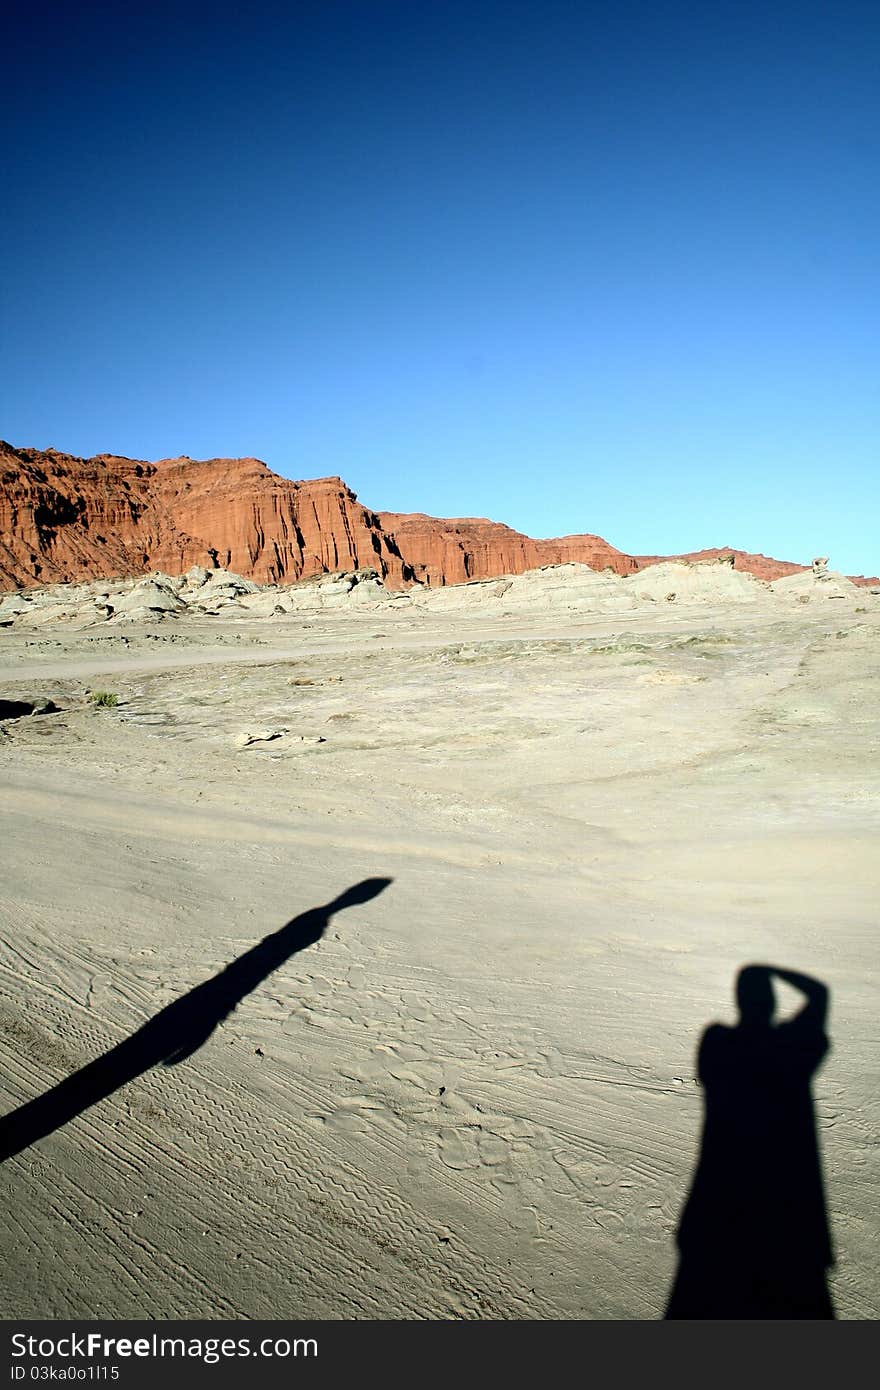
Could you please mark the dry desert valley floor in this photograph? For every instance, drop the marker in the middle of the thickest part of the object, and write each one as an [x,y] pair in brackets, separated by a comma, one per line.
[473,1093]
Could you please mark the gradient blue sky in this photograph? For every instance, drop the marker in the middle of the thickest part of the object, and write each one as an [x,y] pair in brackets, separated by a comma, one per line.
[576,267]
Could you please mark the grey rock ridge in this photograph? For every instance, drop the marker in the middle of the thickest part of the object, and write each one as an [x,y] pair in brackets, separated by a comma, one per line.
[203,593]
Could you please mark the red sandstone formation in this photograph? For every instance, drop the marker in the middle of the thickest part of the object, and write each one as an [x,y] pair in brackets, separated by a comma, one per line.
[456,550]
[65,519]
[762,566]
[759,565]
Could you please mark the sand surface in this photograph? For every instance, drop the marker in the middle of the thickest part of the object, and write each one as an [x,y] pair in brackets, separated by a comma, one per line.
[474,1096]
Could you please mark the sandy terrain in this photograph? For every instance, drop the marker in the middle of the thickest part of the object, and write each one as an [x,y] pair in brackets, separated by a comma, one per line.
[473,1093]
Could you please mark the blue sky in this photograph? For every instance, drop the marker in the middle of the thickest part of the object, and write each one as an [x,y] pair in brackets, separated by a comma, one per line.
[576,267]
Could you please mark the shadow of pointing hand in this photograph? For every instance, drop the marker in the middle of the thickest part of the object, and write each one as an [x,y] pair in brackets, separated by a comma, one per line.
[362,892]
[192,1019]
[179,1029]
[754,1238]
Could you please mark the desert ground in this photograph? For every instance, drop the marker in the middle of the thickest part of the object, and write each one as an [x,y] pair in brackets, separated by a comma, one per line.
[469,1092]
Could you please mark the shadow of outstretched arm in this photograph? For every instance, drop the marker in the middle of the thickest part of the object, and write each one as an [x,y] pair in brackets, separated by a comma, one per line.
[815,1011]
[178,1030]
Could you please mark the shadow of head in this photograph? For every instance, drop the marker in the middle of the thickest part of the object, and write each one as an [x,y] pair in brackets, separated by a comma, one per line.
[755,997]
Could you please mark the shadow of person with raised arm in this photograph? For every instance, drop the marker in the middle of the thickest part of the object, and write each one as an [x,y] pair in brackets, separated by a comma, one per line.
[178,1030]
[753,1238]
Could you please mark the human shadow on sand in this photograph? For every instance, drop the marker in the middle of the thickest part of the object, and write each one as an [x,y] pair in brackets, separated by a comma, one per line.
[178,1030]
[754,1238]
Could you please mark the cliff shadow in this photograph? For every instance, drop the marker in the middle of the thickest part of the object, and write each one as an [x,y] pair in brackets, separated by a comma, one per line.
[754,1238]
[178,1030]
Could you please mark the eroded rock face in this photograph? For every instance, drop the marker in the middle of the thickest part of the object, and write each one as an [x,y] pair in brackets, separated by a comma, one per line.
[454,551]
[65,519]
[761,566]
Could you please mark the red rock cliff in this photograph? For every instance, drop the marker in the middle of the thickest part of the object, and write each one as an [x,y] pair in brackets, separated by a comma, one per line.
[65,519]
[454,551]
[759,565]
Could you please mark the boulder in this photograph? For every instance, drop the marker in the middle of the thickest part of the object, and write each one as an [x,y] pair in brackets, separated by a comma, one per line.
[26,705]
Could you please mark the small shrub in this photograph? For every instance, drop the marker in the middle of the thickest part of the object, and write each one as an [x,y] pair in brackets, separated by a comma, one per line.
[104,699]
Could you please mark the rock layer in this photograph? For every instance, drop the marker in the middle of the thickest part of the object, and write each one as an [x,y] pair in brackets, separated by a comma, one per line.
[460,549]
[65,519]
[761,566]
